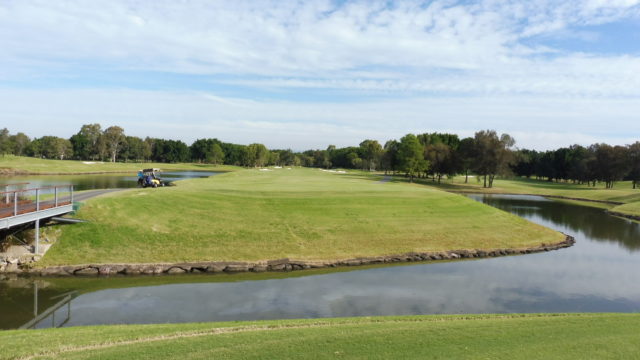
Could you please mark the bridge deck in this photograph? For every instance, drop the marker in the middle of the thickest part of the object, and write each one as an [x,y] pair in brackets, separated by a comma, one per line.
[25,206]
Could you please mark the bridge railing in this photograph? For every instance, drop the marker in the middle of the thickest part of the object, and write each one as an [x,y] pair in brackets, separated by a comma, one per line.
[23,201]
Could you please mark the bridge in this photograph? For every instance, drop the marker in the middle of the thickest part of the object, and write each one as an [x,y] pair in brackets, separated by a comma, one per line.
[26,206]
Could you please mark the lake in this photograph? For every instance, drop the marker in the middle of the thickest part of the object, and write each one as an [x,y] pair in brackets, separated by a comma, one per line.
[98,181]
[598,274]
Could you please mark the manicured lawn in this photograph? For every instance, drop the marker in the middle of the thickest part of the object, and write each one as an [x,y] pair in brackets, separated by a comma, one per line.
[10,163]
[630,208]
[535,336]
[622,191]
[305,214]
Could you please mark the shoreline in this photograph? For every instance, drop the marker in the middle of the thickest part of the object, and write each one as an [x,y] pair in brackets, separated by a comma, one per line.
[541,195]
[560,197]
[28,173]
[278,265]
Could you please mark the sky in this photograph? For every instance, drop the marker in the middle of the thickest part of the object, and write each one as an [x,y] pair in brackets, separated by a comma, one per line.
[306,74]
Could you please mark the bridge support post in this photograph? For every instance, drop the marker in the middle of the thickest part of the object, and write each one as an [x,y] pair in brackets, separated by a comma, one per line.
[36,244]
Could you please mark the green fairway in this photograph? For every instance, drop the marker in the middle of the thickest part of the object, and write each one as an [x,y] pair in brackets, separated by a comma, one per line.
[622,191]
[10,164]
[305,214]
[535,336]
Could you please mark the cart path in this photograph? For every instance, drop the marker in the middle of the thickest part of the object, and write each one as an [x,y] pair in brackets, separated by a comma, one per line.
[86,195]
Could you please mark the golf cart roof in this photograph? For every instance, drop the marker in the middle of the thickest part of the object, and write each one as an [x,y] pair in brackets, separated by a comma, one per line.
[151,170]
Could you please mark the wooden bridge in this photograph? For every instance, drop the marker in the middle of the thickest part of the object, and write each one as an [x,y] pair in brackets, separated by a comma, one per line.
[25,206]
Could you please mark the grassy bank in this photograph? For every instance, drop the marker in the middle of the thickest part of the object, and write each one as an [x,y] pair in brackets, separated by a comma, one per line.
[622,191]
[304,214]
[536,336]
[10,164]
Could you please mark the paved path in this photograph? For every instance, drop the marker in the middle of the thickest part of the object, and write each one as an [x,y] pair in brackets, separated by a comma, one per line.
[86,195]
[385,179]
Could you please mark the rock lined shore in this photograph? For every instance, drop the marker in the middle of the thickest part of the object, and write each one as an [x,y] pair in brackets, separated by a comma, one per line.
[271,265]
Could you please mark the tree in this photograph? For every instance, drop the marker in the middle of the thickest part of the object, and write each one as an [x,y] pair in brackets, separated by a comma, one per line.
[216,154]
[53,147]
[19,143]
[114,140]
[371,152]
[134,149]
[4,142]
[466,156]
[440,157]
[390,156]
[493,155]
[633,151]
[256,155]
[86,143]
[410,156]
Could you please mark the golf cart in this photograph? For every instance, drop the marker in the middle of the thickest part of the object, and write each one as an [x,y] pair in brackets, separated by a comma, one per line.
[149,178]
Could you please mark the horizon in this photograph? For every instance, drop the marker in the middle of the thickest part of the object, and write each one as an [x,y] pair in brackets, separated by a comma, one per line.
[305,76]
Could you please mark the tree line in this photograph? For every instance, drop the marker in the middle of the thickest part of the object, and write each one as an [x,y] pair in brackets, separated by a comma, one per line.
[582,165]
[430,155]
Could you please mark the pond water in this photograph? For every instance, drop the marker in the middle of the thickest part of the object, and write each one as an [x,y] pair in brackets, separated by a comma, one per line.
[98,181]
[598,274]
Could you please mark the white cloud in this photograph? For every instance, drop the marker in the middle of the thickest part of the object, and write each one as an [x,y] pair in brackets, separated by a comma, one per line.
[540,123]
[406,46]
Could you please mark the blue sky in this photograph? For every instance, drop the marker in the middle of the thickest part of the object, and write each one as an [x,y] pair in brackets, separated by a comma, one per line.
[309,74]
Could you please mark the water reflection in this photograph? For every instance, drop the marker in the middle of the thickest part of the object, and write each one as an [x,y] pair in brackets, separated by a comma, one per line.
[100,181]
[598,274]
[592,222]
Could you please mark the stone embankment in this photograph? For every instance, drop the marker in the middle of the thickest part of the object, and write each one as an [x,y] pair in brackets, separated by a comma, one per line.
[262,266]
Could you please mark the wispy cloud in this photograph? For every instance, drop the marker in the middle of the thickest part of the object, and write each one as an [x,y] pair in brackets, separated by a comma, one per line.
[407,45]
[432,65]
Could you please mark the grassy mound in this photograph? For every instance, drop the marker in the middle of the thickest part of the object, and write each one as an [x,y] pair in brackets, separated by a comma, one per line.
[307,214]
[536,336]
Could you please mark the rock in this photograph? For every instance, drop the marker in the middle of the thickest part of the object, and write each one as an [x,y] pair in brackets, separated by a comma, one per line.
[277,267]
[260,268]
[316,265]
[89,271]
[105,270]
[176,270]
[454,256]
[12,260]
[133,269]
[278,262]
[11,268]
[53,271]
[236,268]
[216,267]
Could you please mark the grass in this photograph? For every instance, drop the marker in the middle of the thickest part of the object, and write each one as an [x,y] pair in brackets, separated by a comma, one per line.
[534,336]
[306,214]
[11,164]
[622,191]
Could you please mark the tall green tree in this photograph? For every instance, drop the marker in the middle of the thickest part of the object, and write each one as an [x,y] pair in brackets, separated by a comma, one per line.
[493,155]
[114,140]
[216,154]
[410,156]
[371,151]
[634,163]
